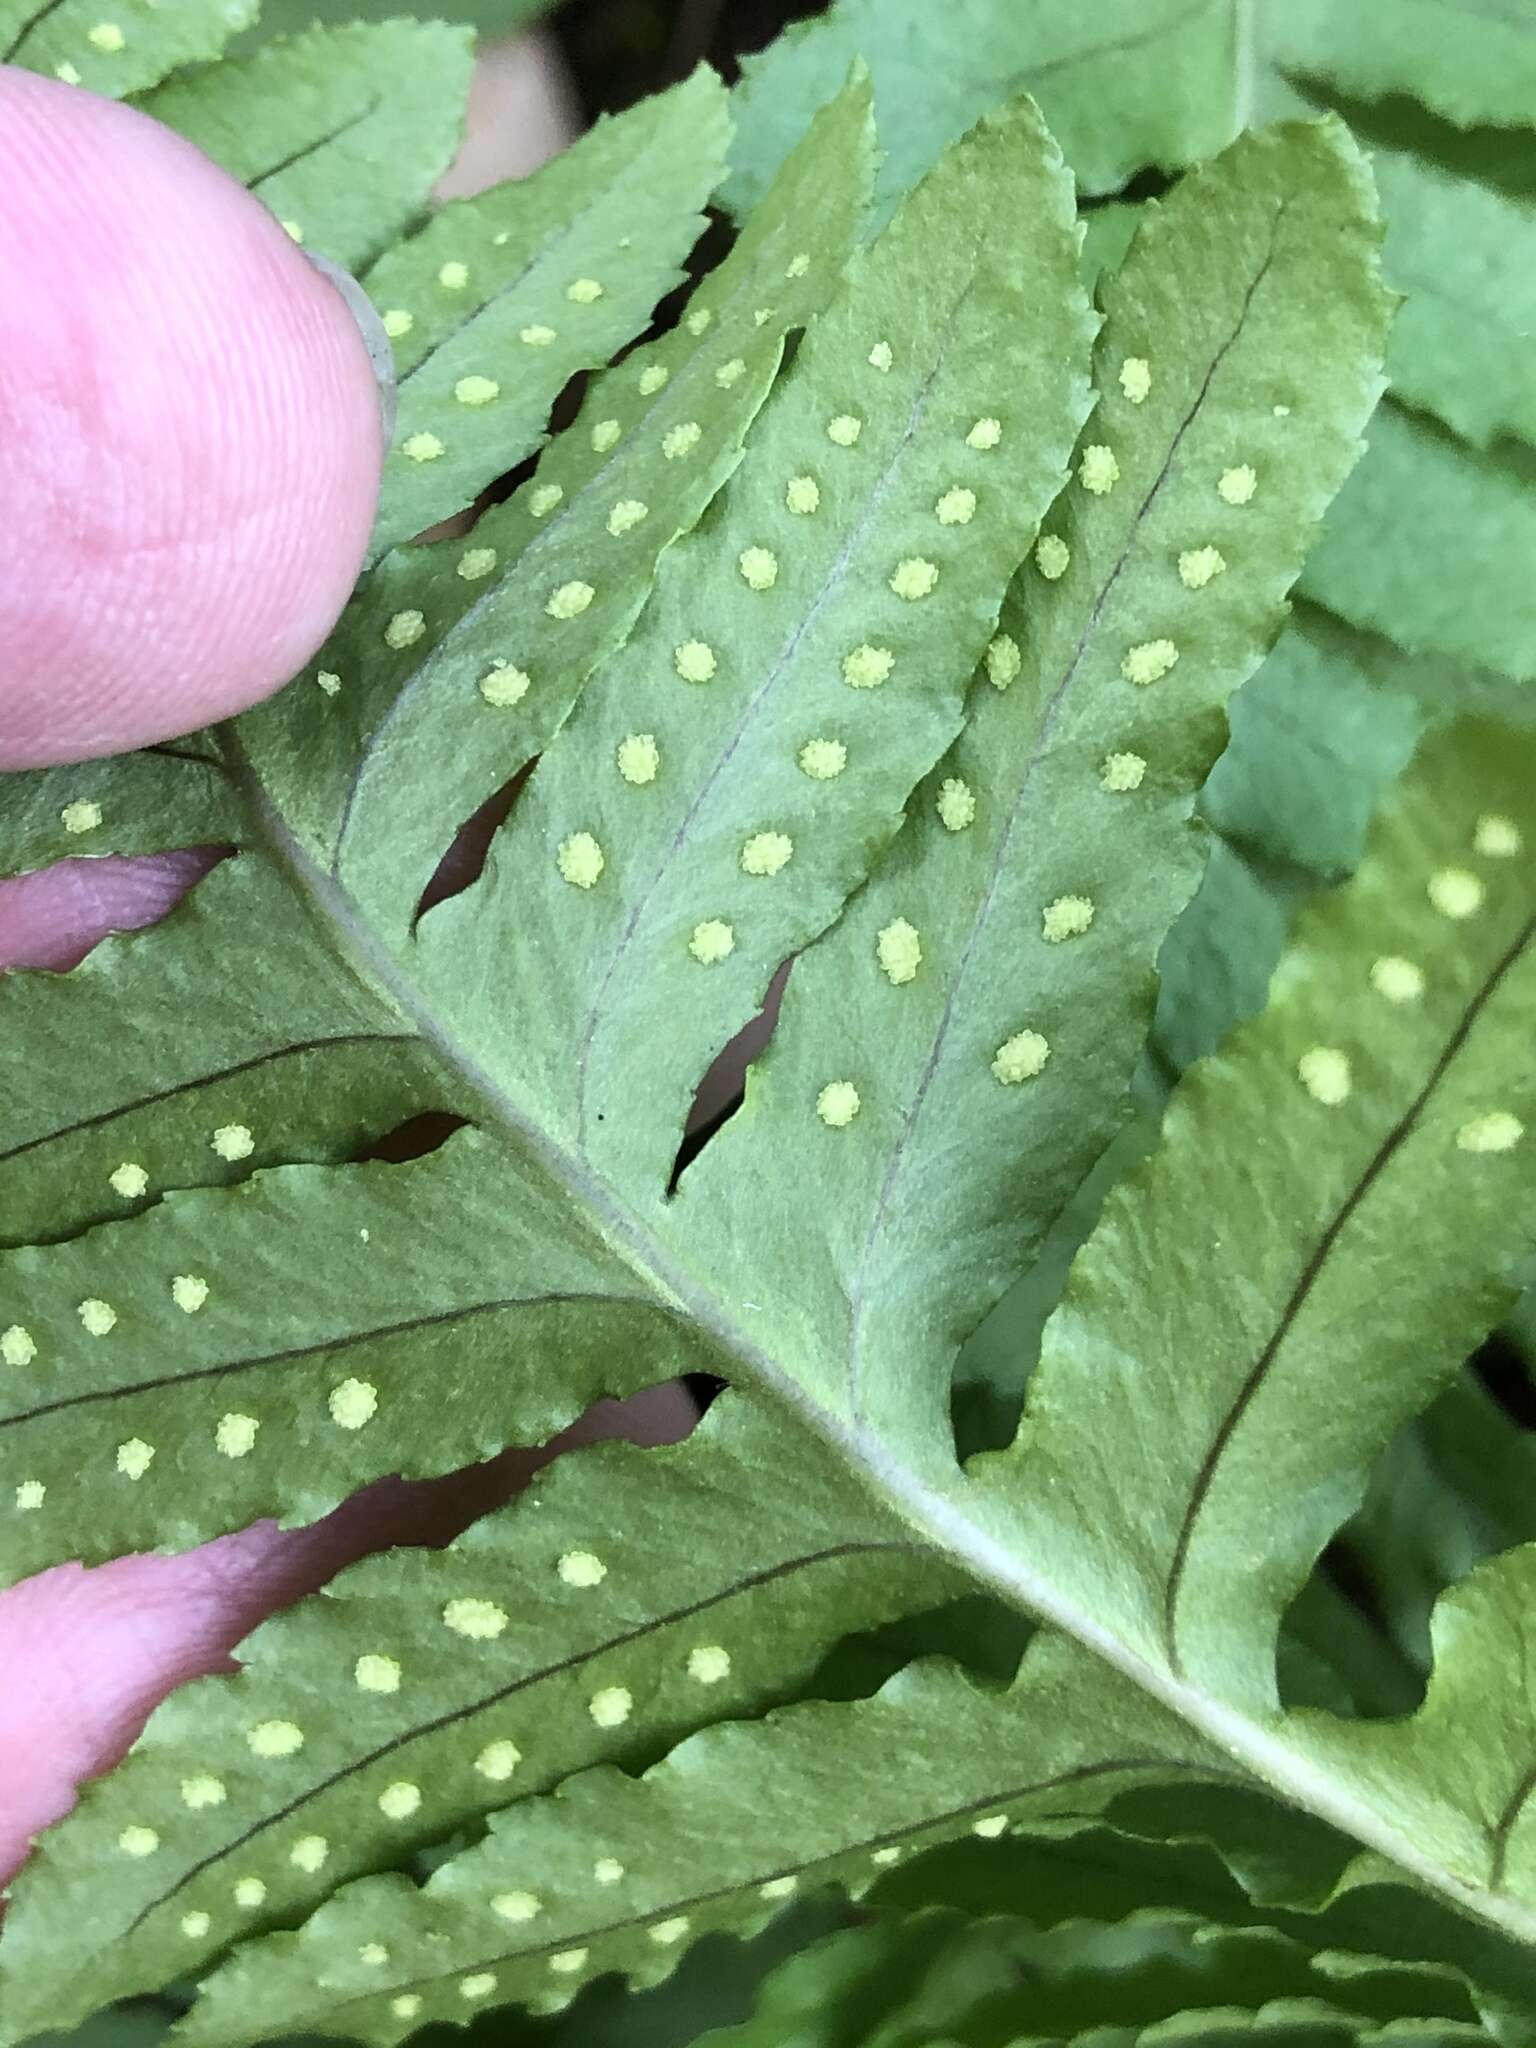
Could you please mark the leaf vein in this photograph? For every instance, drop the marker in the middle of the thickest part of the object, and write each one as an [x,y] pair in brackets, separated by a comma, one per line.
[749,1583]
[296,1352]
[1307,1279]
[1005,841]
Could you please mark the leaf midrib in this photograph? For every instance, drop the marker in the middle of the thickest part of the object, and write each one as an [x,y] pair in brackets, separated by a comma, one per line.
[693,1902]
[26,27]
[938,1513]
[546,539]
[1307,1279]
[423,1731]
[1040,746]
[831,586]
[308,149]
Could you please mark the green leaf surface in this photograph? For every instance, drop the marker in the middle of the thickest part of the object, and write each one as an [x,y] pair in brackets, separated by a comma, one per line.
[1473,1798]
[1121,83]
[1318,736]
[1488,1459]
[139,803]
[221,1302]
[1464,344]
[268,1347]
[900,1983]
[1428,546]
[1108,232]
[1462,253]
[676,846]
[374,776]
[1215,966]
[116,47]
[1499,158]
[340,131]
[1415,1534]
[892,1981]
[971,1079]
[501,299]
[1207,1858]
[489,17]
[806,1797]
[629,1597]
[1468,60]
[995,1362]
[333,1069]
[1390,1083]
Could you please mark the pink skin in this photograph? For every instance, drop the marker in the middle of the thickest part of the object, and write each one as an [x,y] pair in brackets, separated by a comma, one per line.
[189,460]
[189,435]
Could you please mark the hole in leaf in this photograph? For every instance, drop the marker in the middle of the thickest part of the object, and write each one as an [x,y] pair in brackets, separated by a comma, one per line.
[704,1389]
[464,862]
[157,1621]
[413,1139]
[1148,183]
[458,524]
[975,1630]
[1454,1487]
[721,1092]
[1503,1369]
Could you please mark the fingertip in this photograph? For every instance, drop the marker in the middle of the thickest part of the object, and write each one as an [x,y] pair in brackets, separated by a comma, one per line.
[190,442]
[55,915]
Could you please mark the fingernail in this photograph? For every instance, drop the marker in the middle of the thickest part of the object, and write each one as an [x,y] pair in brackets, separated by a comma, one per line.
[381,352]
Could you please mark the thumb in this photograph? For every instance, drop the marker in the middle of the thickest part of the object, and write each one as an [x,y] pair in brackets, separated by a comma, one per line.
[190,439]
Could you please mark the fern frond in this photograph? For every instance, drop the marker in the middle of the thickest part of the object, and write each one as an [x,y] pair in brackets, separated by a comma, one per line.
[341,131]
[996,975]
[142,803]
[1470,64]
[732,623]
[1465,257]
[121,49]
[1390,1063]
[1149,1978]
[1121,83]
[1318,737]
[268,1347]
[703,1839]
[320,1077]
[534,280]
[346,769]
[803,660]
[1421,497]
[629,1598]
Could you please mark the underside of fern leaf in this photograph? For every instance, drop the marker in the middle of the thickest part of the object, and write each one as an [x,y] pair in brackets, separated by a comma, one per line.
[869,611]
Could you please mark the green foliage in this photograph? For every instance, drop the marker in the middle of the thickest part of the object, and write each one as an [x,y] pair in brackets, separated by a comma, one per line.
[488,17]
[341,131]
[1098,708]
[1463,343]
[1122,83]
[1396,1021]
[584,519]
[1473,63]
[873,607]
[537,279]
[697,1837]
[905,1980]
[118,49]
[550,1656]
[1425,497]
[825,604]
